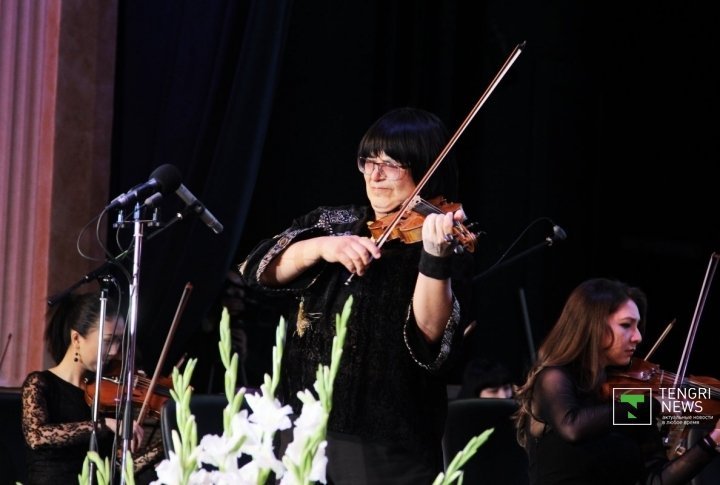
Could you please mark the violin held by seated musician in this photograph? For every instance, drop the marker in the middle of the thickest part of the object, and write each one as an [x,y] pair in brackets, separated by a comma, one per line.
[702,391]
[679,401]
[145,393]
[565,420]
[149,393]
[56,419]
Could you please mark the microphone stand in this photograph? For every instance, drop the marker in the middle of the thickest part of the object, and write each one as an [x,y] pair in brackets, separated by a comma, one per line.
[526,326]
[100,270]
[138,224]
[98,379]
[549,241]
[134,294]
[91,276]
[134,291]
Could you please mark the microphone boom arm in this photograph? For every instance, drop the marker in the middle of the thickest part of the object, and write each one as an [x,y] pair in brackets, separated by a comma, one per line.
[546,243]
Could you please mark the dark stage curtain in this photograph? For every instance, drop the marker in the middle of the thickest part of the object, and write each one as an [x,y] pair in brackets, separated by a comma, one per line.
[195,88]
[261,105]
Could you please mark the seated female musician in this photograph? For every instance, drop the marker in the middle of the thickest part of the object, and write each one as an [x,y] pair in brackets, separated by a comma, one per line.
[390,400]
[56,418]
[565,420]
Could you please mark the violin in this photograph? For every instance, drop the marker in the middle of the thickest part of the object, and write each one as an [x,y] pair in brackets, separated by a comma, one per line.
[643,374]
[150,393]
[701,396]
[111,391]
[409,228]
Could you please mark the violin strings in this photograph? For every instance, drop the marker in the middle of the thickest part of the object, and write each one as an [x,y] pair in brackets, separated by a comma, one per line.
[669,378]
[428,208]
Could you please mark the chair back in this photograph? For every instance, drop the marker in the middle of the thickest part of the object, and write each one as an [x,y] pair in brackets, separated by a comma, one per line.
[12,441]
[208,412]
[500,459]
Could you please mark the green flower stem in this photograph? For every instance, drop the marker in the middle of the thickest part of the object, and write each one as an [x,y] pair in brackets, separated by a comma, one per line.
[277,355]
[454,472]
[184,442]
[324,380]
[235,398]
[102,469]
[129,472]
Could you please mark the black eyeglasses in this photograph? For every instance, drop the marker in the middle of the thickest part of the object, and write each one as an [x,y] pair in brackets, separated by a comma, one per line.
[391,170]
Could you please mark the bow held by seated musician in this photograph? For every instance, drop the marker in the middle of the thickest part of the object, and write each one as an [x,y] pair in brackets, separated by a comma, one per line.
[410,306]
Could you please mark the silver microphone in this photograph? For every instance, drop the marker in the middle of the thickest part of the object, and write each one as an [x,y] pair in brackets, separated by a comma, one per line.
[199,209]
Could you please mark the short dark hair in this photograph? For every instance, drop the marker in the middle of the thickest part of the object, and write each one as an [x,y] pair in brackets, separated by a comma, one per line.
[481,374]
[414,138]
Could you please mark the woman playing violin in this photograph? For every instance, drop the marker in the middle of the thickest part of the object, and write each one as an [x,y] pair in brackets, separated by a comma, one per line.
[409,311]
[565,419]
[56,419]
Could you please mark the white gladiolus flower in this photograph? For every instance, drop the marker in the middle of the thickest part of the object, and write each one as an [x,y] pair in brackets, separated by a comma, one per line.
[252,434]
[268,412]
[242,429]
[249,473]
[204,477]
[217,451]
[169,471]
[317,470]
[312,415]
[263,455]
[319,465]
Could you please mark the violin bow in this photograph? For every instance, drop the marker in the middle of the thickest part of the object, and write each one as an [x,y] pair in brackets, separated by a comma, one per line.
[690,340]
[441,156]
[176,319]
[676,441]
[413,198]
[660,339]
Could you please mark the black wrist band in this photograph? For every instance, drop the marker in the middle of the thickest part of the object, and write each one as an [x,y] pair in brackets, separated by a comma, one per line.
[435,267]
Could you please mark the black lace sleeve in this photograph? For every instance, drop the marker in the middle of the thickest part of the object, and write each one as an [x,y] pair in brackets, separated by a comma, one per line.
[661,471]
[38,431]
[562,407]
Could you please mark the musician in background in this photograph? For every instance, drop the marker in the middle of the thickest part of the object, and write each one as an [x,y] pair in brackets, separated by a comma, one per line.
[56,418]
[486,378]
[410,307]
[565,416]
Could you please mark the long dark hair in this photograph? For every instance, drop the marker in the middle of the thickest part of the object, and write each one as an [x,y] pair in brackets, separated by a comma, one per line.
[575,340]
[414,138]
[79,312]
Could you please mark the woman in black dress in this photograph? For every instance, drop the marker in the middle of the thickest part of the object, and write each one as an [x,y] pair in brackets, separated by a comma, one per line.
[56,418]
[565,417]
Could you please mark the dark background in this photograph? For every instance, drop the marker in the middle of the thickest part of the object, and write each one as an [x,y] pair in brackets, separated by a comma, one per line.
[606,124]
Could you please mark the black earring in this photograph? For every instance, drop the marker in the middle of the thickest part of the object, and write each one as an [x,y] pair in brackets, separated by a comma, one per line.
[76,357]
